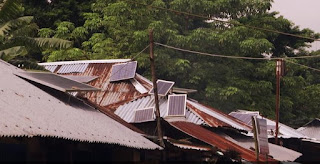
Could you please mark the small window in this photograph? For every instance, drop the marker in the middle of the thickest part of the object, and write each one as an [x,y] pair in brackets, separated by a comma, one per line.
[144,115]
[177,105]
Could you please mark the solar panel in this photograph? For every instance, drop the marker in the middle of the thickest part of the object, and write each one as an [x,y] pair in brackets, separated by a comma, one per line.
[123,71]
[177,105]
[163,87]
[143,115]
[55,81]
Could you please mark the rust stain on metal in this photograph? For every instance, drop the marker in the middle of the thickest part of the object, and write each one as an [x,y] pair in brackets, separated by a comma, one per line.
[207,118]
[213,139]
[111,92]
[228,116]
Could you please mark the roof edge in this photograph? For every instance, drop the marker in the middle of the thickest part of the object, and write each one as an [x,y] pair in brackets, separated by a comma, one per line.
[86,61]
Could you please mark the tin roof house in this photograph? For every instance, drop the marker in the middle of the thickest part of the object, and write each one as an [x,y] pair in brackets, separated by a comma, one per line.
[187,123]
[40,122]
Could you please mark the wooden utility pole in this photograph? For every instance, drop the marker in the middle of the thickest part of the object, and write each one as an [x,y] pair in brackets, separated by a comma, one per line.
[254,129]
[279,72]
[155,89]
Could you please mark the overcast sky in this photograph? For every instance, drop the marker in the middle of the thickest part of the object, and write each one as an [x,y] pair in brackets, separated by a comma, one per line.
[304,13]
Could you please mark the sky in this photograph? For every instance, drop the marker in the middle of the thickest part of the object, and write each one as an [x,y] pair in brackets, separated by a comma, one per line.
[303,13]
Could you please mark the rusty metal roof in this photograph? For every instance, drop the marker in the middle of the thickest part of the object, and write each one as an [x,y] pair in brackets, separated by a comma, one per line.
[126,111]
[29,111]
[213,139]
[215,118]
[277,152]
[111,92]
[284,130]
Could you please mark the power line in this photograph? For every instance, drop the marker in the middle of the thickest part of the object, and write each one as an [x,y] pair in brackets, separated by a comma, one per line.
[223,21]
[232,57]
[318,70]
[130,60]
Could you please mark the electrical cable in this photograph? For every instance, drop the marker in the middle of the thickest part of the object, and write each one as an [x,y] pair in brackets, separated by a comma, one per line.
[314,69]
[232,57]
[130,60]
[223,21]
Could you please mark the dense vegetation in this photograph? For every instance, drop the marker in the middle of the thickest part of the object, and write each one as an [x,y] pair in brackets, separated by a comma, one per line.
[102,29]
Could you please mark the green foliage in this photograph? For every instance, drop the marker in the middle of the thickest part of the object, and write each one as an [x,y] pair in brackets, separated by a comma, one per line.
[120,29]
[18,35]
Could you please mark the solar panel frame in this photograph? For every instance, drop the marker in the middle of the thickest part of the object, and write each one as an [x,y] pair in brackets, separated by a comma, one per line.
[137,119]
[164,89]
[184,105]
[123,71]
[57,82]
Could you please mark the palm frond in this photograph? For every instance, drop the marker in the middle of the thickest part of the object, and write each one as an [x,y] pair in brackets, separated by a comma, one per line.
[53,43]
[15,23]
[12,52]
[10,9]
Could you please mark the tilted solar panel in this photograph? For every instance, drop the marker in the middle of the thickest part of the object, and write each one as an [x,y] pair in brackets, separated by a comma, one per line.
[123,71]
[177,105]
[56,81]
[143,115]
[163,87]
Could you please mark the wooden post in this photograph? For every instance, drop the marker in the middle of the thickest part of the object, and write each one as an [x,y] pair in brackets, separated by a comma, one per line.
[253,121]
[278,75]
[155,89]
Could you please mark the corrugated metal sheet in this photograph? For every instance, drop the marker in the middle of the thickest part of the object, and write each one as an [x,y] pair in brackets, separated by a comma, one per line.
[112,92]
[188,145]
[80,79]
[126,111]
[284,130]
[73,68]
[213,139]
[311,129]
[28,111]
[139,87]
[277,152]
[51,68]
[86,61]
[221,119]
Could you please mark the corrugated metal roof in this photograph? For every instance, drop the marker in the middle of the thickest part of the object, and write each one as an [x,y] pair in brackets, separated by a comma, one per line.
[311,129]
[221,119]
[188,145]
[126,111]
[28,111]
[213,139]
[112,92]
[284,130]
[86,61]
[277,152]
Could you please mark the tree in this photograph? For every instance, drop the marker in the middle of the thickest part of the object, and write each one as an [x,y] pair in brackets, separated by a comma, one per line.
[18,35]
[119,29]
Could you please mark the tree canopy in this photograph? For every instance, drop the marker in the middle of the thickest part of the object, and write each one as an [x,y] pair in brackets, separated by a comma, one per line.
[102,29]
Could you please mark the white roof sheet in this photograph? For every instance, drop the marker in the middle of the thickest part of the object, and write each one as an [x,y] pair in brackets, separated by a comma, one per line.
[86,61]
[218,116]
[28,111]
[284,130]
[126,111]
[277,152]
